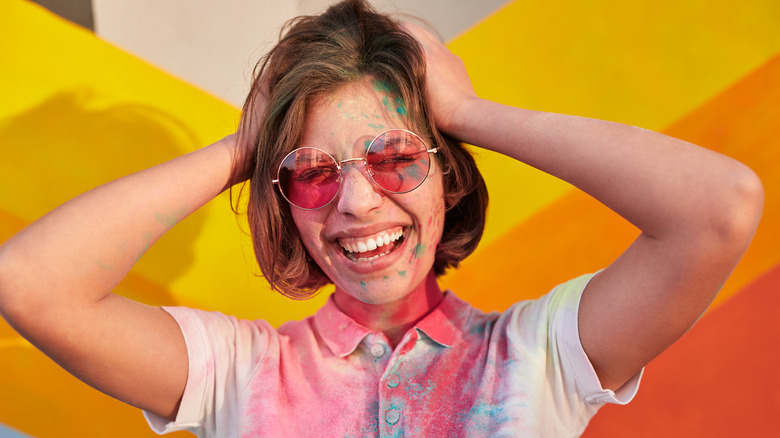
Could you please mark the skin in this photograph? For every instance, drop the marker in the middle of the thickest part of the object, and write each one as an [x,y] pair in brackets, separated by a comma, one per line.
[388,297]
[697,211]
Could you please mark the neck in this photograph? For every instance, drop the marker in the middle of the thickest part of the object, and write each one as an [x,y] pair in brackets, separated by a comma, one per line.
[395,318]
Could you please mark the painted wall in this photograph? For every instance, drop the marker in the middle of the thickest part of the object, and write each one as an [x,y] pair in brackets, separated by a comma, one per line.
[77,111]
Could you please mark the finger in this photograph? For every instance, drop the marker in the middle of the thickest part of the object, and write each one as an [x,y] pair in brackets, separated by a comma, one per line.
[422,35]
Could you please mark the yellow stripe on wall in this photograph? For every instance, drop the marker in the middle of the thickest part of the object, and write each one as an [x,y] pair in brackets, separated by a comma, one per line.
[645,63]
[77,112]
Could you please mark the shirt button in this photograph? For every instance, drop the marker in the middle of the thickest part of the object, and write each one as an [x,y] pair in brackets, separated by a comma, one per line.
[393,380]
[377,350]
[392,416]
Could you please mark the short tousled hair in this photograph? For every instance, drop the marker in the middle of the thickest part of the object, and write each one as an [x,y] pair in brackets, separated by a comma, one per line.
[319,54]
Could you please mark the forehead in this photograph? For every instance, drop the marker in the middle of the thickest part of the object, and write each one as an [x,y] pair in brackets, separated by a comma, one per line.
[342,122]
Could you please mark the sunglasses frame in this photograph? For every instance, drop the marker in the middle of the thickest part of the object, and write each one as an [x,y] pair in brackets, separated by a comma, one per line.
[364,159]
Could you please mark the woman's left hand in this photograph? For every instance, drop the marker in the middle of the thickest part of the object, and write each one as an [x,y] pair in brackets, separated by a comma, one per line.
[697,211]
[449,86]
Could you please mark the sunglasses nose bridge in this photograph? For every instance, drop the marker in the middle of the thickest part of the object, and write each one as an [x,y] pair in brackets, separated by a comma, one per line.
[342,169]
[350,160]
[358,193]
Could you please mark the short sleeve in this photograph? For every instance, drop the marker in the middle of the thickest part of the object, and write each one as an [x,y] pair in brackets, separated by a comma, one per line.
[223,353]
[573,357]
[546,332]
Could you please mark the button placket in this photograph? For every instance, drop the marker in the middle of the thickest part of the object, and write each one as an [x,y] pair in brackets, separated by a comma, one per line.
[392,416]
[392,402]
[377,350]
[393,380]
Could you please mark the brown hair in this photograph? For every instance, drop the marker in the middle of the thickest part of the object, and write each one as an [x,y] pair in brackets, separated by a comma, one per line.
[350,41]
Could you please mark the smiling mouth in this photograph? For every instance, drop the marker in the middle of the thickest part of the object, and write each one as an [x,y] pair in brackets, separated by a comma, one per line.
[369,248]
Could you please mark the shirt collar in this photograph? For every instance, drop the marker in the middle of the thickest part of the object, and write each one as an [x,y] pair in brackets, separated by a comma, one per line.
[444,325]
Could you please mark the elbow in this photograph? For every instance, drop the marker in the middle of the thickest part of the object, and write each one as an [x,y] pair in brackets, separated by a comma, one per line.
[15,301]
[740,205]
[4,286]
[6,275]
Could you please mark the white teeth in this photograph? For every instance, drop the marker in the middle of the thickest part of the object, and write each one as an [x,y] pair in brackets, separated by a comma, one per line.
[369,259]
[365,244]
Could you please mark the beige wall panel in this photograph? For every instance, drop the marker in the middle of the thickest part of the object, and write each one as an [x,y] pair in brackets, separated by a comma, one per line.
[210,44]
[214,44]
[449,17]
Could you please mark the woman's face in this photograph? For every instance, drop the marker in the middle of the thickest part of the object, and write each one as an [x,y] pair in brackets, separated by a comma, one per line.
[342,124]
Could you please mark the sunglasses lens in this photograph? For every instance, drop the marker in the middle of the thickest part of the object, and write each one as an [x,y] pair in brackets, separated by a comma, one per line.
[398,161]
[309,178]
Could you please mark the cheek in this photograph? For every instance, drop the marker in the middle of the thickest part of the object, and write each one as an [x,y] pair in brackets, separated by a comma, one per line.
[436,219]
[432,208]
[436,223]
[308,227]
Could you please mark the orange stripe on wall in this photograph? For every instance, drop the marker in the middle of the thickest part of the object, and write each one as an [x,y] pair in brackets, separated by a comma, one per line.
[40,391]
[719,380]
[576,234]
[744,122]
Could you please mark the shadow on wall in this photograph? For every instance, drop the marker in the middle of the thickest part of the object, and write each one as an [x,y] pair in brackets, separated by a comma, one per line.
[72,142]
[65,145]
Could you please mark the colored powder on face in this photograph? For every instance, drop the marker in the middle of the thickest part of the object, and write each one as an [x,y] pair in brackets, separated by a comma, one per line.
[402,273]
[383,86]
[385,277]
[419,250]
[414,171]
[401,107]
[363,285]
[375,126]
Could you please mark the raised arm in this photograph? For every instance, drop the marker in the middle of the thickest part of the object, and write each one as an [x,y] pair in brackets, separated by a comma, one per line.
[697,211]
[57,274]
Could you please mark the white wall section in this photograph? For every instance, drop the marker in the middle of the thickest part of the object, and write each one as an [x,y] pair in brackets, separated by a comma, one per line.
[214,44]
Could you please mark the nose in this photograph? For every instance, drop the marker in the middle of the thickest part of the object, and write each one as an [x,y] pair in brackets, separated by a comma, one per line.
[358,194]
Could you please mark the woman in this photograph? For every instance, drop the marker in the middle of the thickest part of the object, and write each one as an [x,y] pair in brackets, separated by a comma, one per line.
[349,139]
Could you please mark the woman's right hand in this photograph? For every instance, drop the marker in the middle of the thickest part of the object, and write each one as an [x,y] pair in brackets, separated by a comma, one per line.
[245,139]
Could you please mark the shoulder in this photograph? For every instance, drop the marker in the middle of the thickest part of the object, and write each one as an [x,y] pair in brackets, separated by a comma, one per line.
[210,334]
[545,330]
[555,310]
